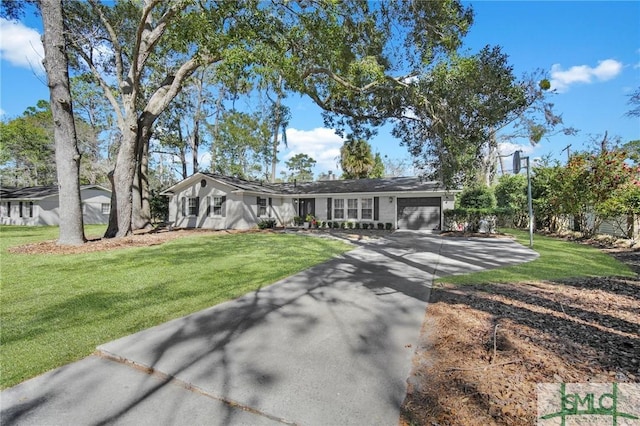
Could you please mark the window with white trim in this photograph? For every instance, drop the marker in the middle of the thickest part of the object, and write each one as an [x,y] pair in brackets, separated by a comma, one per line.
[106,208]
[338,208]
[216,206]
[352,208]
[192,206]
[262,206]
[367,208]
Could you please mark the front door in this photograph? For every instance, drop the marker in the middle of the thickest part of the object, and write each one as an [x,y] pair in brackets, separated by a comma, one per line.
[306,206]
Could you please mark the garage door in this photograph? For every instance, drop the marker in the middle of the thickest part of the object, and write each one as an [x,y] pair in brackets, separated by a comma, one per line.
[420,213]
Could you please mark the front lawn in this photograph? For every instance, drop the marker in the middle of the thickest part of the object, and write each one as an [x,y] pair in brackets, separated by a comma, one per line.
[558,260]
[56,309]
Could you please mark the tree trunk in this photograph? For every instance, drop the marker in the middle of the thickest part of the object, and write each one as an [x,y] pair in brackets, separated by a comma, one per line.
[195,145]
[67,154]
[141,212]
[276,128]
[122,182]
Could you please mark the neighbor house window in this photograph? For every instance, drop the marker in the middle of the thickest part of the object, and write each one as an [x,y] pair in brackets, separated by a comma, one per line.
[262,206]
[192,206]
[367,208]
[106,208]
[352,208]
[338,209]
[30,208]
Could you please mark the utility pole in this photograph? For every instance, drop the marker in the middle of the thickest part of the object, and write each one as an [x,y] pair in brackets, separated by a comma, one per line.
[517,165]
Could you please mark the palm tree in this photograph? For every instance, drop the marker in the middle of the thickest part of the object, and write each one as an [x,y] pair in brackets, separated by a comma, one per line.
[356,159]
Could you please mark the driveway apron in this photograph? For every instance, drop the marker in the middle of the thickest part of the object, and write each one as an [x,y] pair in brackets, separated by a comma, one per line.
[331,345]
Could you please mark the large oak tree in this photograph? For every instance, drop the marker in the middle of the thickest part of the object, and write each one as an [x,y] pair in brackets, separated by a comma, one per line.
[342,54]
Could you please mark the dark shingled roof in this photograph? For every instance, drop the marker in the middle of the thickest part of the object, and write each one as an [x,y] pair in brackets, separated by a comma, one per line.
[33,192]
[394,184]
[244,184]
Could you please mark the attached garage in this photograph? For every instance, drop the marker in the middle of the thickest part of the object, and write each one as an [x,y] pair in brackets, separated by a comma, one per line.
[419,213]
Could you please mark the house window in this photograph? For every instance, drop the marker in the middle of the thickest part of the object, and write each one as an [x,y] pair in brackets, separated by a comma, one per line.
[262,206]
[352,208]
[215,208]
[338,209]
[367,208]
[106,208]
[192,206]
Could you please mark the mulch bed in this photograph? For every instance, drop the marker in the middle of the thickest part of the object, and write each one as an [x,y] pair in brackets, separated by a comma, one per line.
[485,348]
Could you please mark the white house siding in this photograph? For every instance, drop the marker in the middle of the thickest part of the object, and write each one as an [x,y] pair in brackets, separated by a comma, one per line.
[10,213]
[321,208]
[49,211]
[46,210]
[92,201]
[205,217]
[283,211]
[387,209]
[448,203]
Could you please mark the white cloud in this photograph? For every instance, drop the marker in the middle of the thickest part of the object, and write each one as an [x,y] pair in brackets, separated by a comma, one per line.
[21,46]
[204,160]
[321,144]
[562,79]
[508,148]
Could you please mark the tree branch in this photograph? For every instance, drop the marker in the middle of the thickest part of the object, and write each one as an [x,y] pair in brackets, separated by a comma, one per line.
[114,41]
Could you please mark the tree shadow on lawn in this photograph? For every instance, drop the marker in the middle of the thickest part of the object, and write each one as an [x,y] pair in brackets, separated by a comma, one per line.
[334,340]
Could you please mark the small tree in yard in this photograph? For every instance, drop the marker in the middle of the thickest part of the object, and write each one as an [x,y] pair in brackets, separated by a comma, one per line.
[477,197]
[544,190]
[596,184]
[511,194]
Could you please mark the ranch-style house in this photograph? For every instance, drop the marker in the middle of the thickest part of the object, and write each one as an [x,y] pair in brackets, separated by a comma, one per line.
[213,201]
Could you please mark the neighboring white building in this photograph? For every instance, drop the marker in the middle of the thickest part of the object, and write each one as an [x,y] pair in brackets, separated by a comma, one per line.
[39,205]
[213,201]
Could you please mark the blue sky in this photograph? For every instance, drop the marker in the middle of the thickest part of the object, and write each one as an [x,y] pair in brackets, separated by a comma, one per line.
[591,51]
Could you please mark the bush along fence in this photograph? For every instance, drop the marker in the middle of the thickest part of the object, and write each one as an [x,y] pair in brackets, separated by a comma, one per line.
[475,220]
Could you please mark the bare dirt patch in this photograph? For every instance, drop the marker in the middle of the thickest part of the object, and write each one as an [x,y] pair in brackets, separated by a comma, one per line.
[484,348]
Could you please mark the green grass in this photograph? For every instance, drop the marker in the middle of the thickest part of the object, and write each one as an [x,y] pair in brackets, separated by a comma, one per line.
[558,260]
[56,309]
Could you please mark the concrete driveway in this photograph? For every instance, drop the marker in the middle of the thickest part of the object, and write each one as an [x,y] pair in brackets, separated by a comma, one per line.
[331,345]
